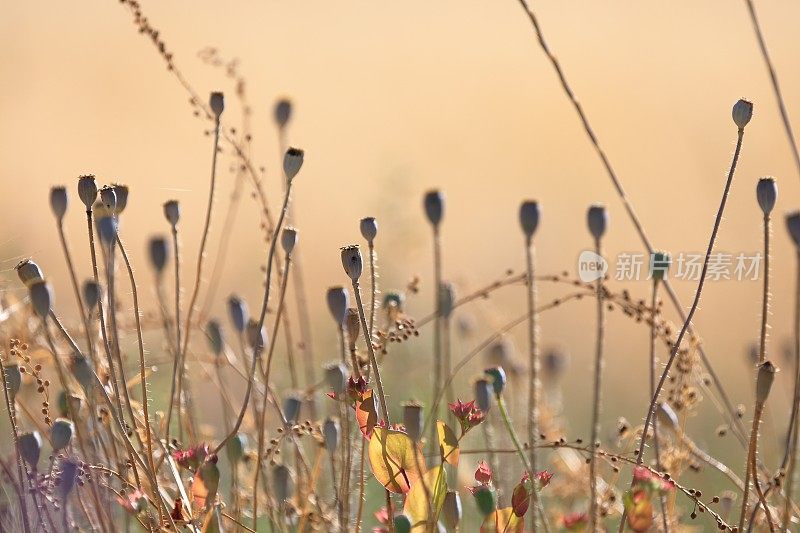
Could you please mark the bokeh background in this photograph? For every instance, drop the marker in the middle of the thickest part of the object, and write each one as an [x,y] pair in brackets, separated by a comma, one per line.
[394,99]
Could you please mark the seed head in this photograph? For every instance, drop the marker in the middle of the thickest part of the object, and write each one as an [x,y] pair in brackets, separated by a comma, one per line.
[87,190]
[447,299]
[108,197]
[413,420]
[793,225]
[159,253]
[80,368]
[41,297]
[255,336]
[659,265]
[67,477]
[217,103]
[483,394]
[107,229]
[283,112]
[29,272]
[767,194]
[215,339]
[336,377]
[237,310]
[369,229]
[331,433]
[433,202]
[597,219]
[121,192]
[292,162]
[30,447]
[172,212]
[338,300]
[236,447]
[766,375]
[13,379]
[555,362]
[61,433]
[288,239]
[281,482]
[742,113]
[529,218]
[91,294]
[58,202]
[352,262]
[452,511]
[291,408]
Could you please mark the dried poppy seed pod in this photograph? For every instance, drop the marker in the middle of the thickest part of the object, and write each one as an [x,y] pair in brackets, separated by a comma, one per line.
[29,272]
[498,378]
[67,477]
[61,433]
[555,362]
[75,402]
[87,191]
[215,340]
[766,375]
[121,192]
[256,337]
[108,197]
[666,417]
[597,220]
[483,394]
[288,239]
[433,202]
[291,408]
[58,202]
[529,218]
[30,447]
[107,229]
[236,447]
[452,510]
[172,212]
[413,420]
[659,265]
[742,113]
[91,294]
[447,299]
[352,262]
[292,162]
[41,298]
[283,112]
[369,228]
[793,226]
[338,301]
[767,194]
[336,377]
[13,379]
[237,310]
[353,323]
[281,482]
[217,103]
[80,368]
[159,253]
[331,432]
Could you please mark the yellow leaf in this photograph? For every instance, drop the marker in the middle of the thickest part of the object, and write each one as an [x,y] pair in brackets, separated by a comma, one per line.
[424,501]
[392,457]
[503,521]
[366,415]
[448,443]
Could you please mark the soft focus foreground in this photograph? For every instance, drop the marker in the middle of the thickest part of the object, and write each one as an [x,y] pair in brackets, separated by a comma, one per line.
[240,379]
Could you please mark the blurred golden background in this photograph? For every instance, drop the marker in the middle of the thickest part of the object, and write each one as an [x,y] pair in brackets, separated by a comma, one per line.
[394,99]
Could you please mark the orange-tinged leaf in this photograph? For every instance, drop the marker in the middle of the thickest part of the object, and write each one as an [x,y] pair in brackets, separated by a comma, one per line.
[395,459]
[448,443]
[503,521]
[418,507]
[366,414]
[205,484]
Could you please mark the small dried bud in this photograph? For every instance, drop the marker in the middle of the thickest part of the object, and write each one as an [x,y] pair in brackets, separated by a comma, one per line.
[336,377]
[434,207]
[353,323]
[13,379]
[369,228]
[793,225]
[338,300]
[236,447]
[483,394]
[352,262]
[107,229]
[281,482]
[452,511]
[766,194]
[597,219]
[498,377]
[291,408]
[108,197]
[87,191]
[766,375]
[413,420]
[30,447]
[61,433]
[237,310]
[447,299]
[292,162]
[215,339]
[29,272]
[121,192]
[742,113]
[666,417]
[172,212]
[91,294]
[283,112]
[288,239]
[257,338]
[217,103]
[159,253]
[41,297]
[659,265]
[529,218]
[331,432]
[58,202]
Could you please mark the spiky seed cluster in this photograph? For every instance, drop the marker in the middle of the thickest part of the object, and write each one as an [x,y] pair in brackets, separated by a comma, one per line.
[238,313]
[292,162]
[742,112]
[767,194]
[172,212]
[283,112]
[87,190]
[597,220]
[352,261]
[217,103]
[58,202]
[159,253]
[369,229]
[529,218]
[338,300]
[433,202]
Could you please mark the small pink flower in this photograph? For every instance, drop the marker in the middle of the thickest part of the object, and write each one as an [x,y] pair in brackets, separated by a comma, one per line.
[483,474]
